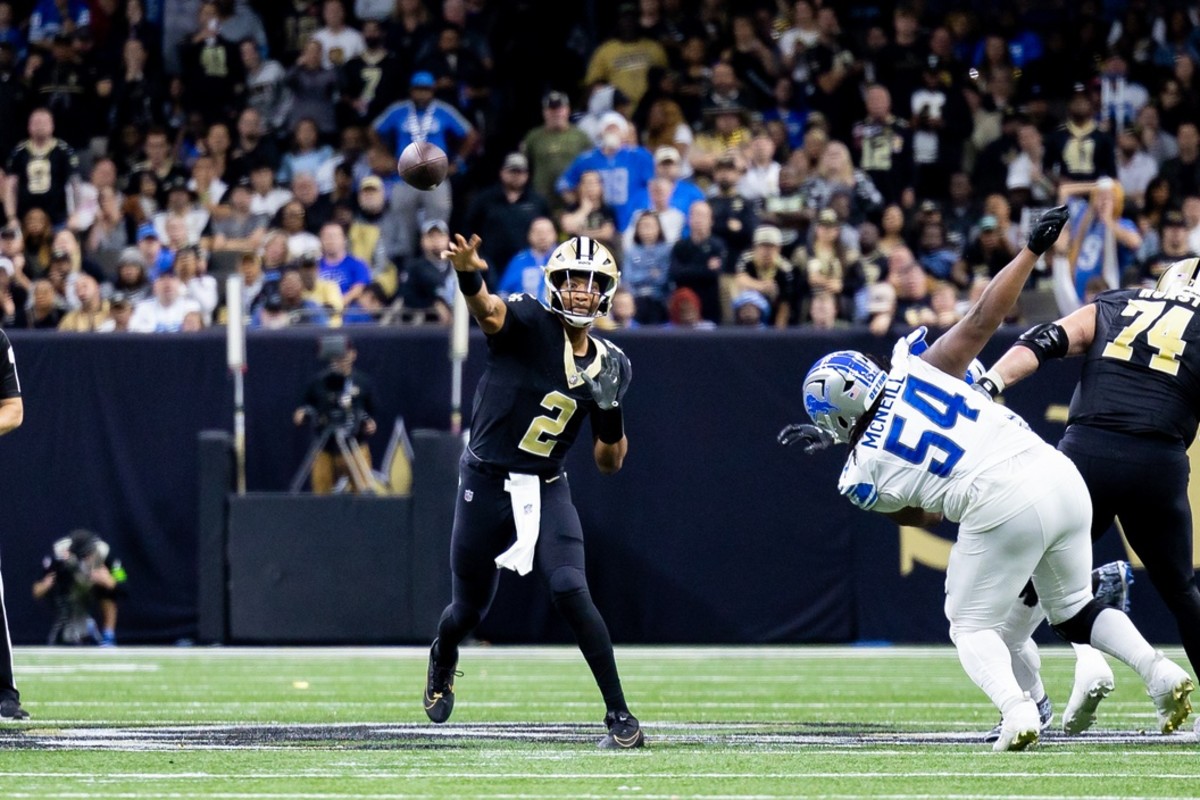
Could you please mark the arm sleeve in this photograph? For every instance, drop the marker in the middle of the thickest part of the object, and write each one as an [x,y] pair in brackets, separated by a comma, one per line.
[10,383]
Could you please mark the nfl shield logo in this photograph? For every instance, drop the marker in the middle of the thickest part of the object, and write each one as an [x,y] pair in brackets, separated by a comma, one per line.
[468,495]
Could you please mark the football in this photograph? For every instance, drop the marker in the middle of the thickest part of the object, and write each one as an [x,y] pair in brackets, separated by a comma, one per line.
[423,165]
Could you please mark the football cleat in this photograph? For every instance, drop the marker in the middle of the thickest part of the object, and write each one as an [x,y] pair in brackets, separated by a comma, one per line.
[624,731]
[1080,713]
[1020,728]
[1169,688]
[439,688]
[10,709]
[1045,714]
[1110,584]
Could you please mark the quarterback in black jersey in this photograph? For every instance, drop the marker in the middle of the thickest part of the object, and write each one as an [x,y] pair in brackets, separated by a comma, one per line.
[545,374]
[12,413]
[1133,416]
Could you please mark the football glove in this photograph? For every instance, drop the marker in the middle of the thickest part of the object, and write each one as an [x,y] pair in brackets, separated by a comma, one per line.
[916,341]
[1046,230]
[812,438]
[606,385]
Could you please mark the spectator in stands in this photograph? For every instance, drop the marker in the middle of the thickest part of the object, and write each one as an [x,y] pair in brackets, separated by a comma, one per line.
[164,312]
[764,271]
[645,268]
[53,17]
[371,80]
[337,265]
[91,309]
[321,290]
[665,126]
[834,74]
[428,284]
[622,312]
[41,171]
[37,234]
[750,309]
[1079,150]
[138,94]
[237,228]
[287,306]
[524,270]
[987,254]
[183,204]
[625,60]
[590,215]
[943,301]
[823,314]
[369,309]
[698,260]
[339,42]
[1157,142]
[410,29]
[668,164]
[312,88]
[753,58]
[307,154]
[1183,171]
[293,223]
[734,216]
[882,143]
[217,146]
[206,184]
[131,278]
[552,146]
[725,133]
[684,311]
[625,170]
[86,194]
[1120,98]
[318,208]
[670,219]
[761,178]
[1098,242]
[1174,247]
[1027,182]
[266,197]
[502,214]
[911,284]
[195,283]
[936,257]
[1135,167]
[836,172]
[458,70]
[45,312]
[155,256]
[213,76]
[266,90]
[424,118]
[13,297]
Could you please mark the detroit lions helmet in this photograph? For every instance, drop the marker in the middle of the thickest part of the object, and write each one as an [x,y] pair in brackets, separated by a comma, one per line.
[1179,275]
[839,389]
[581,256]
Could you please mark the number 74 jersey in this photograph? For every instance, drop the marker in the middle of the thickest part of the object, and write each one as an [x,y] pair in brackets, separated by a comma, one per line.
[1141,374]
[937,444]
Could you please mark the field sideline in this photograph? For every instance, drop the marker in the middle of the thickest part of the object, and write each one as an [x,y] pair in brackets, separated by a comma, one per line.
[761,722]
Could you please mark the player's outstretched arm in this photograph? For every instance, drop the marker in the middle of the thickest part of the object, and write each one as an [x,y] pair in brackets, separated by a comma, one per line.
[953,351]
[488,309]
[12,414]
[1070,336]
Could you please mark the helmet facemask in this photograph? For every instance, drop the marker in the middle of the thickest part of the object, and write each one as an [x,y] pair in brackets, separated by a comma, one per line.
[580,265]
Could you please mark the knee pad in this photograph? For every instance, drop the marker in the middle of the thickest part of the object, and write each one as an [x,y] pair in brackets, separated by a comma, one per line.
[565,581]
[1078,629]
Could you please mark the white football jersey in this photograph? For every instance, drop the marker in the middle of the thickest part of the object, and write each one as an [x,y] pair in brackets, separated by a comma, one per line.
[937,444]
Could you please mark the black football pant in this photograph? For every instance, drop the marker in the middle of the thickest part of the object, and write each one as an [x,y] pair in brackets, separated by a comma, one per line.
[1143,483]
[483,529]
[8,684]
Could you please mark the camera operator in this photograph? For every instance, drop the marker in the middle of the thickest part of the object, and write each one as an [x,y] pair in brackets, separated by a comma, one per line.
[81,571]
[339,398]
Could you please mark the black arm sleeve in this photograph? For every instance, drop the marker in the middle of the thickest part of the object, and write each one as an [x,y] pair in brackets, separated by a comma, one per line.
[1048,340]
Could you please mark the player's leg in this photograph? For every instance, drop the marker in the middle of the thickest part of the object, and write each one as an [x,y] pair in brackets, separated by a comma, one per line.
[482,527]
[1159,529]
[560,561]
[1063,580]
[1017,630]
[10,698]
[986,571]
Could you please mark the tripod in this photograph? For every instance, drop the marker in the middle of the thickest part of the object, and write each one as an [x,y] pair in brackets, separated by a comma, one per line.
[360,471]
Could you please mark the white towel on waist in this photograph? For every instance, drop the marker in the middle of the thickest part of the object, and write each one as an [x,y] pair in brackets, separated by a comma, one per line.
[525,491]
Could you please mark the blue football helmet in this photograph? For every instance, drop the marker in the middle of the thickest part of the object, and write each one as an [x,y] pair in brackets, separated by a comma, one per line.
[839,389]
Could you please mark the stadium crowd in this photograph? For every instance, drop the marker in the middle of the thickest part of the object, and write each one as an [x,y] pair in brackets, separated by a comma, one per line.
[751,162]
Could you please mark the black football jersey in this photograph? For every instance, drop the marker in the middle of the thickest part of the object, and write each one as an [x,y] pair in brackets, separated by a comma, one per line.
[10,384]
[531,400]
[42,177]
[1141,374]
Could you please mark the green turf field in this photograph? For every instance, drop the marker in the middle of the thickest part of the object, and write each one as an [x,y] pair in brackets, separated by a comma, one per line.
[722,722]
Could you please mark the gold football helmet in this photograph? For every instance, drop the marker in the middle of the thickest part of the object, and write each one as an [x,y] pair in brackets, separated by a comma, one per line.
[581,256]
[1178,275]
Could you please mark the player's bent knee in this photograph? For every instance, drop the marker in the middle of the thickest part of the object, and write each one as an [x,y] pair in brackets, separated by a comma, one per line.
[1078,629]
[566,581]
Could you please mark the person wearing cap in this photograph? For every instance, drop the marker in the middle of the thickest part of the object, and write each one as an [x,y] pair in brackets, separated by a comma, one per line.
[625,59]
[625,169]
[132,279]
[751,309]
[41,171]
[725,131]
[438,123]
[428,283]
[763,270]
[552,146]
[82,576]
[165,310]
[987,253]
[373,233]
[668,163]
[1173,247]
[322,291]
[154,256]
[501,214]
[523,274]
[238,229]
[1078,150]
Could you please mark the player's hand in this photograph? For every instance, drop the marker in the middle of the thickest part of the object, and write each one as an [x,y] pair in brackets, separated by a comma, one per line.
[916,341]
[299,416]
[1046,230]
[464,255]
[369,427]
[606,385]
[811,438]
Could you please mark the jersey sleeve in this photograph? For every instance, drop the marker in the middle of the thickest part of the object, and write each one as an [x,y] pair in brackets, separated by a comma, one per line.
[10,384]
[859,485]
[522,315]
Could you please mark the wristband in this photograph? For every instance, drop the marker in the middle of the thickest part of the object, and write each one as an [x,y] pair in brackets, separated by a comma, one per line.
[471,283]
[609,426]
[992,383]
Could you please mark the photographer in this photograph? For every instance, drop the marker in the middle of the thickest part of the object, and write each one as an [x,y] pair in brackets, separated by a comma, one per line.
[339,398]
[79,571]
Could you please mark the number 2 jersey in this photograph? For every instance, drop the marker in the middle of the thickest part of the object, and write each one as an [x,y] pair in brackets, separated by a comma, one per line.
[937,444]
[531,401]
[1141,374]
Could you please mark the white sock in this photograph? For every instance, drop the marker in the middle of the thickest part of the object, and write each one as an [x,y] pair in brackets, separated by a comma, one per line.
[1089,664]
[1026,666]
[988,662]
[1113,633]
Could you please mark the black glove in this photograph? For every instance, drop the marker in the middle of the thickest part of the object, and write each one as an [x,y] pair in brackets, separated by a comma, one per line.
[810,436]
[605,386]
[1046,230]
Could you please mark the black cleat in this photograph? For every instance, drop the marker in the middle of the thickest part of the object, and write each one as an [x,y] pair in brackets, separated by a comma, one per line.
[10,709]
[439,689]
[624,732]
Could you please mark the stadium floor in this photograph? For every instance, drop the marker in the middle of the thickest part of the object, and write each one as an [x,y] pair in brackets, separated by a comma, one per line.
[762,722]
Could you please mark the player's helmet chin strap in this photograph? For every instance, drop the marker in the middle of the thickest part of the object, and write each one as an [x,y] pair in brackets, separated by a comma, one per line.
[579,320]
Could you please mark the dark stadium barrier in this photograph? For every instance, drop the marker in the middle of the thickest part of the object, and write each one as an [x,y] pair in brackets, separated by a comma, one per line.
[711,533]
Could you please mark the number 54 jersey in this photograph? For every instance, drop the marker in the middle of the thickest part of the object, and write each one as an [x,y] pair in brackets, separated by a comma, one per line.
[1141,375]
[937,444]
[532,399]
